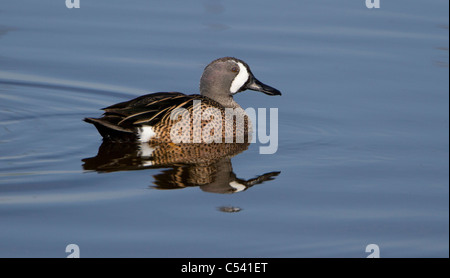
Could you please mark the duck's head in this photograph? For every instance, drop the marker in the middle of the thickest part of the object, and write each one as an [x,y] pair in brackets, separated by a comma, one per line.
[227,76]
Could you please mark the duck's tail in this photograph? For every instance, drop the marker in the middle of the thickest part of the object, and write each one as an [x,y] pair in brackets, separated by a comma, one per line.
[109,129]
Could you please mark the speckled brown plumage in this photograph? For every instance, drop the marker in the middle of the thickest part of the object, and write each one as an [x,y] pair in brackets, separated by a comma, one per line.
[121,121]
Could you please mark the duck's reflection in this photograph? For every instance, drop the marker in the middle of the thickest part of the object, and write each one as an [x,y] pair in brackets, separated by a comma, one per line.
[205,165]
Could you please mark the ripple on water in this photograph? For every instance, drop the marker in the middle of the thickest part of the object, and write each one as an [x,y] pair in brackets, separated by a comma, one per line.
[41,130]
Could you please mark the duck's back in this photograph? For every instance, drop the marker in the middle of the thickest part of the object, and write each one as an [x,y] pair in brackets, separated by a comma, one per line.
[167,117]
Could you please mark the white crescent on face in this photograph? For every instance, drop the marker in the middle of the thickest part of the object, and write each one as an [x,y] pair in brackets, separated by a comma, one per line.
[240,79]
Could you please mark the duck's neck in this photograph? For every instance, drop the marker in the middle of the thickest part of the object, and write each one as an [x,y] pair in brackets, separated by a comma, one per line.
[224,99]
[228,102]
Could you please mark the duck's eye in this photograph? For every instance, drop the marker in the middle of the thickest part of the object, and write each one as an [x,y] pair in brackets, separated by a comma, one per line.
[235,69]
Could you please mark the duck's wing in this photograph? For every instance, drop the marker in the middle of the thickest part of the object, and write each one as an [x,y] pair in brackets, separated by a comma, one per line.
[119,122]
[144,100]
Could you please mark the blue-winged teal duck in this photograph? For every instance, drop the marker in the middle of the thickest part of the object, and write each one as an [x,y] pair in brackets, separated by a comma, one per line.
[148,117]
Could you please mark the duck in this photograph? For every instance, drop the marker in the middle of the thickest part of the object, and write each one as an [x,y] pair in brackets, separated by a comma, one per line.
[152,117]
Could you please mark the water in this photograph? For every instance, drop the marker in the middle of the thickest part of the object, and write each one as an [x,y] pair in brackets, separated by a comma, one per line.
[363,151]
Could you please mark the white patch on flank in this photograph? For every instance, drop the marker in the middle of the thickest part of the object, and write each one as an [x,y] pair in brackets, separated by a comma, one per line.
[145,133]
[237,186]
[240,79]
[145,150]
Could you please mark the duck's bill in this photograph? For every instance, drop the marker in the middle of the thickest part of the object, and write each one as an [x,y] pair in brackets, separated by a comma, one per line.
[256,85]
